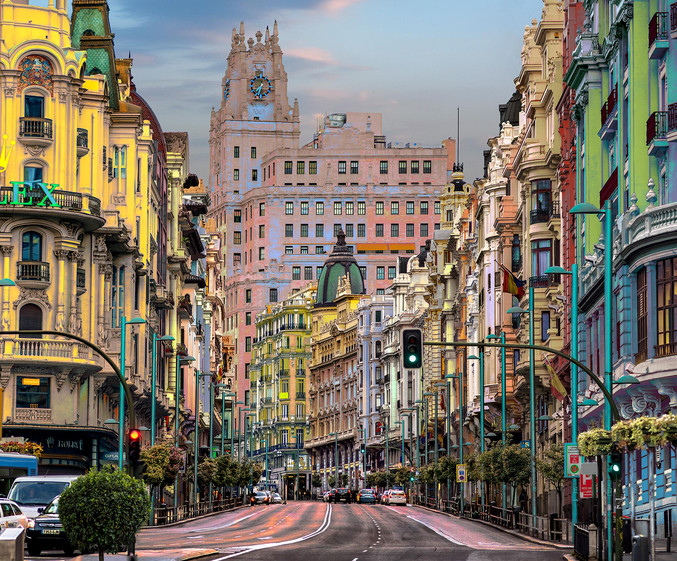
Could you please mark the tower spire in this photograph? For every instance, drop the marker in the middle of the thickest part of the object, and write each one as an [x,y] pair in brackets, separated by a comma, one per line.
[275,28]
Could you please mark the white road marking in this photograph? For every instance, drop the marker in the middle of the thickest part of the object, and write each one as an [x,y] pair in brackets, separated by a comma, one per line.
[439,532]
[195,537]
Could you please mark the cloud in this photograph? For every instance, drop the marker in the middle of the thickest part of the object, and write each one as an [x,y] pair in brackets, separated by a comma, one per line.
[313,54]
[335,6]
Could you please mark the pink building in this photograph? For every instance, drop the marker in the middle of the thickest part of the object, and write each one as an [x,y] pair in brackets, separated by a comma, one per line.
[277,206]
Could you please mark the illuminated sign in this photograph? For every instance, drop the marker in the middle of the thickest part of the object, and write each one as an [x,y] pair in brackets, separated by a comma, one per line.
[30,381]
[26,193]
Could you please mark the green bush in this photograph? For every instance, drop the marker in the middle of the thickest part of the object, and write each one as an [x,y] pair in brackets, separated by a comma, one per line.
[102,511]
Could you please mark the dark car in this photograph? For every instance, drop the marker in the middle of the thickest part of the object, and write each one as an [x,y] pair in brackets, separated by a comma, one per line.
[260,498]
[46,532]
[366,496]
[342,495]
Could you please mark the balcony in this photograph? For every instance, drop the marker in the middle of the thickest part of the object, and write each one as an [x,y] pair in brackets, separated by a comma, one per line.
[659,38]
[185,308]
[82,142]
[657,133]
[300,395]
[673,19]
[81,281]
[25,199]
[516,264]
[163,299]
[609,187]
[539,281]
[672,114]
[668,349]
[609,115]
[32,274]
[541,215]
[35,131]
[47,350]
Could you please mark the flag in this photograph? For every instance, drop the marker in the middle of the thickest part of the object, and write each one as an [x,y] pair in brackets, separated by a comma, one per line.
[556,386]
[512,284]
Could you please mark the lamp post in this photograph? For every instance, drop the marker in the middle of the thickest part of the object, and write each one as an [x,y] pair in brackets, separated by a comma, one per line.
[459,376]
[363,432]
[121,420]
[153,382]
[177,399]
[335,435]
[426,395]
[504,487]
[481,359]
[198,374]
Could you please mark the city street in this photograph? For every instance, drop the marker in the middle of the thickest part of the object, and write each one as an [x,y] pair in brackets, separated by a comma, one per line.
[311,530]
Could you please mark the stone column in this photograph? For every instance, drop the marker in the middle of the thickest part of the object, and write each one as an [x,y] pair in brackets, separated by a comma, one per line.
[7,253]
[61,288]
[105,271]
[73,292]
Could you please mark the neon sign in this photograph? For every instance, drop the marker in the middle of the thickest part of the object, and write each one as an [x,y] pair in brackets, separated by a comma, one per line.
[25,193]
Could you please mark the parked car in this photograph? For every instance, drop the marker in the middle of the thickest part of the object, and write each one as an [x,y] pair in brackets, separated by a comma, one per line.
[366,496]
[34,493]
[384,497]
[342,495]
[11,515]
[277,499]
[397,497]
[46,532]
[331,495]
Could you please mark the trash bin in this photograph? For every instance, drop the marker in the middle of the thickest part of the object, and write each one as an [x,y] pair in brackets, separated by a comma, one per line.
[640,548]
[627,536]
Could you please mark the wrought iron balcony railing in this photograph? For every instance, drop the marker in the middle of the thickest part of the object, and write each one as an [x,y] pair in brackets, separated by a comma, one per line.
[610,104]
[657,126]
[658,27]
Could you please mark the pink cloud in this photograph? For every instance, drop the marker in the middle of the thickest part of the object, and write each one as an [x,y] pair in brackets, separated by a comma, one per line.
[336,6]
[312,54]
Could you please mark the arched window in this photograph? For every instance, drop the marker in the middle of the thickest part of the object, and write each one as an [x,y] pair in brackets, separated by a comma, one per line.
[31,247]
[30,317]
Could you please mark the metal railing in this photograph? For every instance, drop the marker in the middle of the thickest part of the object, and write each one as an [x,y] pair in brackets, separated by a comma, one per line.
[82,140]
[610,104]
[35,127]
[541,215]
[658,27]
[34,197]
[656,126]
[540,281]
[517,264]
[673,17]
[672,111]
[32,271]
[581,542]
[163,515]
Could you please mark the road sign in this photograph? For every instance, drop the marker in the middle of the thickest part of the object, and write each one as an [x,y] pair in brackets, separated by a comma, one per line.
[525,444]
[412,470]
[572,460]
[589,468]
[585,491]
[460,473]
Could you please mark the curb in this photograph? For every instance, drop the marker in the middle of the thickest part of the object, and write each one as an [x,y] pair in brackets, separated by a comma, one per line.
[505,530]
[185,521]
[568,557]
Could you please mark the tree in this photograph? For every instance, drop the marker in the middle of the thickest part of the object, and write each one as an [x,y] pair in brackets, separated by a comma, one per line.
[206,472]
[551,466]
[103,510]
[516,467]
[331,481]
[162,462]
[316,480]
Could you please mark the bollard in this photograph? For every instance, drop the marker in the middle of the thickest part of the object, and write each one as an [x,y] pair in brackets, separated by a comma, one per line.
[12,544]
[593,536]
[640,548]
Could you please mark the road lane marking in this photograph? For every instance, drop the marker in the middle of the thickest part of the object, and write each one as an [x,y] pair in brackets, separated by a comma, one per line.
[323,528]
[195,537]
[438,532]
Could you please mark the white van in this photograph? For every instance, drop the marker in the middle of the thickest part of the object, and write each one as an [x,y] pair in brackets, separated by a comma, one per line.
[34,493]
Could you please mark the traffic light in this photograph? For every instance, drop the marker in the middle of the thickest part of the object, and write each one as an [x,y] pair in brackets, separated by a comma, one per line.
[412,348]
[615,463]
[134,446]
[362,448]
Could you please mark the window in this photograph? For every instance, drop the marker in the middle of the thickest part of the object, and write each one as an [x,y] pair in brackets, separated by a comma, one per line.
[545,325]
[236,175]
[379,208]
[262,231]
[300,168]
[338,208]
[304,250]
[120,162]
[319,230]
[666,309]
[30,318]
[318,272]
[288,168]
[410,230]
[319,208]
[349,231]
[342,167]
[31,247]
[394,207]
[391,272]
[414,166]
[32,393]
[363,270]
[541,197]
[354,167]
[272,295]
[255,175]
[32,174]
[236,151]
[237,259]
[34,106]
[337,229]
[361,207]
[410,207]
[289,207]
[379,230]
[248,318]
[296,273]
[312,168]
[248,296]
[438,207]
[237,238]
[424,207]
[289,250]
[423,230]
[253,151]
[262,253]
[361,230]
[304,207]
[304,230]
[350,208]
[118,295]
[319,249]
[262,209]
[307,273]
[380,273]
[289,230]
[394,230]
[383,167]
[237,216]
[541,252]
[642,317]
[380,292]
[403,166]
[427,166]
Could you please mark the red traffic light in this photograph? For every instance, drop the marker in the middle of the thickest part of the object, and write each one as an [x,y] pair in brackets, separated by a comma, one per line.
[134,434]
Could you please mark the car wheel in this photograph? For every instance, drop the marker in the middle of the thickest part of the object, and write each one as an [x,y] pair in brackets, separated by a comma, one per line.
[33,550]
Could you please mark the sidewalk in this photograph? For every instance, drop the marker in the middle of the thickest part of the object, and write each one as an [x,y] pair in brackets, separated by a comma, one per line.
[661,553]
[153,555]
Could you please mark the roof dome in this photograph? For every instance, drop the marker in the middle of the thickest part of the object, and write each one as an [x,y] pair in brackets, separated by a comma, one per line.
[339,264]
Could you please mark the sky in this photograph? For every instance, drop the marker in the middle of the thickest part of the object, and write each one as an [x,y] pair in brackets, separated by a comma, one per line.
[415,62]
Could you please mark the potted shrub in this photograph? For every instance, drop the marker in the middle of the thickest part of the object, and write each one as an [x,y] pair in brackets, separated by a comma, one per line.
[650,430]
[595,442]
[627,438]
[668,424]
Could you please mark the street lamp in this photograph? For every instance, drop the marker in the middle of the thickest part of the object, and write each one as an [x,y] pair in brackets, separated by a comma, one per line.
[198,374]
[504,412]
[363,432]
[335,435]
[153,382]
[177,400]
[459,376]
[7,282]
[481,359]
[121,420]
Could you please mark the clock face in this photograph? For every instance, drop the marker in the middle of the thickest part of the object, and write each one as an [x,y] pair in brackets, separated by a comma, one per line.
[226,90]
[260,86]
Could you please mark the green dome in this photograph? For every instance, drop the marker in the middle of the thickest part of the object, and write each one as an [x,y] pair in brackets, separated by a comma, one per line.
[337,265]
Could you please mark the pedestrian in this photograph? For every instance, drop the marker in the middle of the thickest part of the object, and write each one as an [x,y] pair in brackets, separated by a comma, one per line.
[523,500]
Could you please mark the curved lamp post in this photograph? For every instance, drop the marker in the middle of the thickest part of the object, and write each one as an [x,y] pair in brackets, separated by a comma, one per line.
[154,383]
[121,420]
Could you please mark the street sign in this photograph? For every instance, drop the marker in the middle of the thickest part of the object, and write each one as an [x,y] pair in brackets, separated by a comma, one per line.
[572,460]
[412,470]
[525,444]
[589,468]
[585,491]
[460,473]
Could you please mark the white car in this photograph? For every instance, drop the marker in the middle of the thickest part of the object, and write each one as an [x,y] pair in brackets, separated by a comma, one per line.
[397,497]
[11,515]
[277,499]
[384,497]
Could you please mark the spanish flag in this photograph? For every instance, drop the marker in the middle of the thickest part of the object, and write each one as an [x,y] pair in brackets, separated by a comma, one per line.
[512,284]
[556,386]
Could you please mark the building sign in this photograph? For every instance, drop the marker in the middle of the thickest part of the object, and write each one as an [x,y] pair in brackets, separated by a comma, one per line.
[30,381]
[336,120]
[31,193]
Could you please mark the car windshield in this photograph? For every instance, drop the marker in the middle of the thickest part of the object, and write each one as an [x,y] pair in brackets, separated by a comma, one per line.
[53,507]
[36,492]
